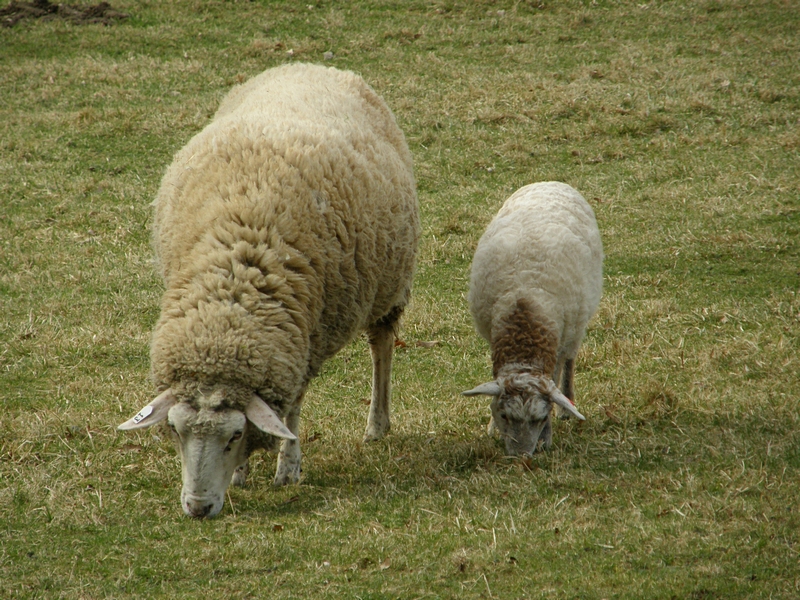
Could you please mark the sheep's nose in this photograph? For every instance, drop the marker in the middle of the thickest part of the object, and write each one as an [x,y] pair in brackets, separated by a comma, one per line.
[198,510]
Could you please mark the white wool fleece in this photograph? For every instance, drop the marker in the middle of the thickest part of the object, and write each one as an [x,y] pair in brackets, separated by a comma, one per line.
[543,245]
[282,229]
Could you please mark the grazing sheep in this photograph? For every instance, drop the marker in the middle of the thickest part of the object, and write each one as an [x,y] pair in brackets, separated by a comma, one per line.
[283,229]
[537,277]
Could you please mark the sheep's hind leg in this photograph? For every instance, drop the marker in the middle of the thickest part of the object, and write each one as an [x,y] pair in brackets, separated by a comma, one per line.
[381,345]
[288,468]
[567,386]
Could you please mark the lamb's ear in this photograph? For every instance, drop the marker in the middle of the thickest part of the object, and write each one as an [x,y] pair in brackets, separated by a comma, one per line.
[153,413]
[490,388]
[262,416]
[564,402]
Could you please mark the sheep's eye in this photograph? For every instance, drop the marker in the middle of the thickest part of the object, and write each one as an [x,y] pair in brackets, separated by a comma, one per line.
[237,435]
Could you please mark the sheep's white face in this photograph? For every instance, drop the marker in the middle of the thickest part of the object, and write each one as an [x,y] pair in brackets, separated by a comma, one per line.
[212,442]
[521,408]
[211,446]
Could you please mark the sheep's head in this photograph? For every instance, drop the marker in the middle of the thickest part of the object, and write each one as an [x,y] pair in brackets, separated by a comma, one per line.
[521,407]
[212,441]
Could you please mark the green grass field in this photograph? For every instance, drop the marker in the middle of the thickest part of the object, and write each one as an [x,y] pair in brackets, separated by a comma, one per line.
[679,121]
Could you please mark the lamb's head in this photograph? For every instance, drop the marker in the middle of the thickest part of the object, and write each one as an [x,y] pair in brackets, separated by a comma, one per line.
[521,407]
[212,440]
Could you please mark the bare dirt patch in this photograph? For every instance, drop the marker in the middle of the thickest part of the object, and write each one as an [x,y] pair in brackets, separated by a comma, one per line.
[45,10]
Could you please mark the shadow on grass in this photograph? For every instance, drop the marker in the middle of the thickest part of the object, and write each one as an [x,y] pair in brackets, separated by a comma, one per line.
[585,459]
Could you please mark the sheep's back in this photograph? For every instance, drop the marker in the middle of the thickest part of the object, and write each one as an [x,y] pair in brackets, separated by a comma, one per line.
[543,245]
[303,176]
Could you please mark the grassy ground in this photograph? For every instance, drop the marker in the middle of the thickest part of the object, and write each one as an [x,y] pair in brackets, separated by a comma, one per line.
[680,123]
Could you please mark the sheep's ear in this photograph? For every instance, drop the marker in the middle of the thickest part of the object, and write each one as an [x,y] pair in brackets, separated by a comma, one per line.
[262,416]
[491,388]
[557,397]
[153,413]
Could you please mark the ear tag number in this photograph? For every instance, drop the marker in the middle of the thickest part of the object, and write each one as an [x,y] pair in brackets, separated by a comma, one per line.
[143,414]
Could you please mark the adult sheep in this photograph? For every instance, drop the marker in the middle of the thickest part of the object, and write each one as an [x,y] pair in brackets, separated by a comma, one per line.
[283,229]
[537,277]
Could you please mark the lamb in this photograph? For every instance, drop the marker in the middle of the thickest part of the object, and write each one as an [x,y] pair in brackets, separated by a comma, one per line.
[537,278]
[283,229]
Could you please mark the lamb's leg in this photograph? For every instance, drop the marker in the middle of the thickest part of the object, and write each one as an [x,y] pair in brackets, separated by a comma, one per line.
[288,469]
[381,345]
[557,373]
[546,437]
[240,474]
[567,386]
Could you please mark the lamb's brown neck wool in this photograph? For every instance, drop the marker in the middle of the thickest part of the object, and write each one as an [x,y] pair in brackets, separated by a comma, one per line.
[525,337]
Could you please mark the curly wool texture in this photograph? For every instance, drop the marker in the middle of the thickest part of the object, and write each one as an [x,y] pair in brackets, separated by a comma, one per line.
[537,277]
[283,229]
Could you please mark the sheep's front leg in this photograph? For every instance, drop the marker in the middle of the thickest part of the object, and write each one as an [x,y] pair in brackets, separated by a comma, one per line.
[288,469]
[546,437]
[381,345]
[566,386]
[240,474]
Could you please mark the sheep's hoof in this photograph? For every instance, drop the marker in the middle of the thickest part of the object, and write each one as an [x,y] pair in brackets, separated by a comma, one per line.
[371,437]
[284,481]
[240,474]
[373,434]
[286,475]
